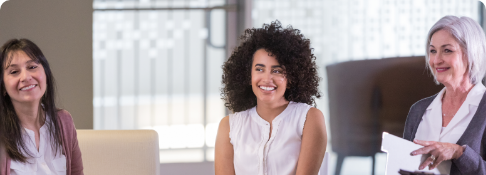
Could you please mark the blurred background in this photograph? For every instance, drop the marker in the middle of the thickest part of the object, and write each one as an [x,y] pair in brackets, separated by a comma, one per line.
[156,64]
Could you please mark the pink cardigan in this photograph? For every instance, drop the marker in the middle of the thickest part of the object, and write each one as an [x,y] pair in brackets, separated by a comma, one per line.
[74,164]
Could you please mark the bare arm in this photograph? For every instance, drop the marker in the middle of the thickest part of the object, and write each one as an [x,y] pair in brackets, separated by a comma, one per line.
[223,158]
[314,141]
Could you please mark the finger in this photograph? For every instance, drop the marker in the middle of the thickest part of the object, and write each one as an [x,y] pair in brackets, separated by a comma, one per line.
[435,164]
[439,158]
[423,142]
[425,163]
[424,150]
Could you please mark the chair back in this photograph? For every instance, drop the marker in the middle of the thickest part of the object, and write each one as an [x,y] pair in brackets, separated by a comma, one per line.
[368,97]
[120,152]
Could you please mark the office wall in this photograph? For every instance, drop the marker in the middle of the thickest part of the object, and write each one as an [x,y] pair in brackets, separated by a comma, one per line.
[63,31]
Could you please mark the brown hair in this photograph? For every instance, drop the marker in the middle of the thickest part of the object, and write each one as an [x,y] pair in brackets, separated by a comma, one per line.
[10,126]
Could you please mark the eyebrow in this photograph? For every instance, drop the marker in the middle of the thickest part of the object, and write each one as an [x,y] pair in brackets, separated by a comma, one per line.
[274,66]
[15,65]
[442,45]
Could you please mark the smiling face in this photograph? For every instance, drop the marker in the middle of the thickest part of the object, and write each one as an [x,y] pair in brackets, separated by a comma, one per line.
[267,78]
[446,59]
[24,78]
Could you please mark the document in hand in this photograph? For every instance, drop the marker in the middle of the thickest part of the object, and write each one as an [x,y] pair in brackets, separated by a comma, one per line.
[398,156]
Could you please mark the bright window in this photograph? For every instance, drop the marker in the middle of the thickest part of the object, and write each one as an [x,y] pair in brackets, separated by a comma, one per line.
[157,66]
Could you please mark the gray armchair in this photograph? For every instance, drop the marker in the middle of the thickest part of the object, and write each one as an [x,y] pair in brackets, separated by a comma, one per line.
[368,97]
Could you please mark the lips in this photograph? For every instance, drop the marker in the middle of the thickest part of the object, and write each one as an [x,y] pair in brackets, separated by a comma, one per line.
[442,69]
[267,88]
[26,88]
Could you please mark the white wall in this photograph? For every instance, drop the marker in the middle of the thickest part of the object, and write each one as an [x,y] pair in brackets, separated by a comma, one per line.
[63,31]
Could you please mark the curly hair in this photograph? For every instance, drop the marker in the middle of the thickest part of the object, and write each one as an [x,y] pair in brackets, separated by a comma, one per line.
[292,51]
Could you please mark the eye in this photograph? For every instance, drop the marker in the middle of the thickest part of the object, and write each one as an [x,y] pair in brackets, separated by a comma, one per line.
[432,51]
[13,72]
[258,69]
[33,67]
[277,71]
[447,50]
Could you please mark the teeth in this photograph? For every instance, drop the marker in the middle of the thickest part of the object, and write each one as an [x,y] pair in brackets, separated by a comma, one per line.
[267,88]
[28,87]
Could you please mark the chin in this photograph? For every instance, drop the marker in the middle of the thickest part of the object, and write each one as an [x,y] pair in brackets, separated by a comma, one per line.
[30,99]
[271,99]
[442,80]
[266,99]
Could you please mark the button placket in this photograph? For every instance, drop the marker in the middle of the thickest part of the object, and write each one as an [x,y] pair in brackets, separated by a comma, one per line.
[267,139]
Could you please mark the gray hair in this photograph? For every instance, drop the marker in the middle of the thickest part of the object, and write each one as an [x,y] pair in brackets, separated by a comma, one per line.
[470,37]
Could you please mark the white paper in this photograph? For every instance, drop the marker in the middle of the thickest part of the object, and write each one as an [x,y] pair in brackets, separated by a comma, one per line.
[398,156]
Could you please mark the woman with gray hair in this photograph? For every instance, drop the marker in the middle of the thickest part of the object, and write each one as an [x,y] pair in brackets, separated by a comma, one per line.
[451,125]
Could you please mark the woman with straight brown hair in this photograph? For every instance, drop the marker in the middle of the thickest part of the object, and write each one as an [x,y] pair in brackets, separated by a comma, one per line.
[36,136]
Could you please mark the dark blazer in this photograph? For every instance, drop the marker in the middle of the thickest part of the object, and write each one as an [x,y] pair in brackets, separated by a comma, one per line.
[472,160]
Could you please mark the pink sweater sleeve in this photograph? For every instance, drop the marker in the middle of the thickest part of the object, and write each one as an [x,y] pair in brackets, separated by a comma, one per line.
[71,147]
[76,160]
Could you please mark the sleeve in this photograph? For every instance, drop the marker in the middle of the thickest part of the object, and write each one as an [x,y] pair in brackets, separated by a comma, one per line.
[3,161]
[76,160]
[407,131]
[415,115]
[70,129]
[470,162]
[413,119]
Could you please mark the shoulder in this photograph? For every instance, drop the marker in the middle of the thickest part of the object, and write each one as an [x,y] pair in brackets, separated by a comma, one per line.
[299,108]
[224,128]
[419,107]
[314,112]
[64,115]
[415,115]
[312,120]
[299,104]
[314,124]
[65,118]
[224,122]
[423,103]
[240,113]
[314,115]
[238,116]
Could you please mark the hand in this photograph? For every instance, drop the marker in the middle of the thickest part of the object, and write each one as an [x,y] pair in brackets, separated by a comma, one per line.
[439,151]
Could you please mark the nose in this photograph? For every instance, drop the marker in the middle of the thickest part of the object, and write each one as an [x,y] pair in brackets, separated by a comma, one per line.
[268,77]
[25,76]
[436,59]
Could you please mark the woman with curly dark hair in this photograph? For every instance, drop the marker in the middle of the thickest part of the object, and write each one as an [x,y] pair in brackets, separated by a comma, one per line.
[270,82]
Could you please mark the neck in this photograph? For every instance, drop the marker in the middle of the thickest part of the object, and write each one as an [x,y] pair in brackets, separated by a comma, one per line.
[457,93]
[268,111]
[28,114]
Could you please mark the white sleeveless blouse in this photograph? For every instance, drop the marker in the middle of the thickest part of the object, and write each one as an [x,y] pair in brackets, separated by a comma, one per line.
[255,153]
